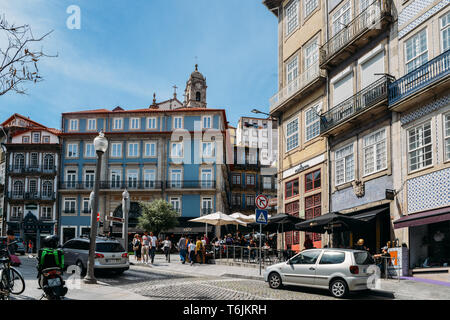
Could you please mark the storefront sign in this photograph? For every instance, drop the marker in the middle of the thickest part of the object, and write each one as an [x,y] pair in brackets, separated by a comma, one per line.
[303,166]
[399,261]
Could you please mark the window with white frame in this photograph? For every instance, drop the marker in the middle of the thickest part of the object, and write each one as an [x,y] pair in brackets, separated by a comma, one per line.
[92,124]
[32,186]
[117,123]
[312,125]
[176,150]
[73,124]
[206,122]
[416,51]
[89,177]
[445,31]
[36,137]
[175,178]
[291,14]
[208,149]
[267,183]
[207,178]
[292,69]
[177,122]
[375,152]
[46,213]
[134,123]
[133,149]
[420,152]
[47,189]
[207,206]
[364,4]
[344,165]
[116,177]
[89,150]
[250,179]
[71,178]
[149,178]
[132,178]
[150,149]
[176,204]
[26,139]
[292,134]
[16,213]
[72,150]
[311,57]
[250,200]
[85,207]
[116,150]
[151,123]
[45,139]
[70,205]
[341,18]
[310,5]
[34,160]
[447,136]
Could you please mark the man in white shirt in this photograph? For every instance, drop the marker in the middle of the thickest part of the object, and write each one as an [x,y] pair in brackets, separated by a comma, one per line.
[153,243]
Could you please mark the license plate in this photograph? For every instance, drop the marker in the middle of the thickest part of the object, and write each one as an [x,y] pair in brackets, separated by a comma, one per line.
[112,260]
[55,282]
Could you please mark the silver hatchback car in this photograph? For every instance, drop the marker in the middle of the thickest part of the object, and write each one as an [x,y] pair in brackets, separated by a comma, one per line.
[109,254]
[338,270]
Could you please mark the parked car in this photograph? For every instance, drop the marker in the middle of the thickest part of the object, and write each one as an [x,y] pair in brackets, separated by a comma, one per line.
[338,270]
[20,245]
[109,254]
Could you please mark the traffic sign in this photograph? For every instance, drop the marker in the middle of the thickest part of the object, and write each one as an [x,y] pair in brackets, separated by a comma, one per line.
[261,216]
[115,219]
[98,216]
[262,201]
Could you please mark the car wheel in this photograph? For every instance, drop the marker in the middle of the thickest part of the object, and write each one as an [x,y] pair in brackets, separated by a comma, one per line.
[339,288]
[275,281]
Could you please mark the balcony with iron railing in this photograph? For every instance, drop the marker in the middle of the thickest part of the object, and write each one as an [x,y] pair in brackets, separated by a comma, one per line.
[112,185]
[368,24]
[41,196]
[27,169]
[206,211]
[351,110]
[300,84]
[191,184]
[435,74]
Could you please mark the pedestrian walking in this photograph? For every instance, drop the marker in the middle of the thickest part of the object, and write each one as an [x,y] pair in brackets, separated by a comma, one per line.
[30,246]
[191,249]
[182,246]
[153,244]
[137,247]
[145,247]
[167,245]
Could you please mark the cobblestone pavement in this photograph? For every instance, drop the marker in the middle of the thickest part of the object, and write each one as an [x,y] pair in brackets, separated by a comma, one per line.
[155,283]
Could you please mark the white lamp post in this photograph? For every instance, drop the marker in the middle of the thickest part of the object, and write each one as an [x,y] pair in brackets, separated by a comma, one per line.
[101,145]
[125,210]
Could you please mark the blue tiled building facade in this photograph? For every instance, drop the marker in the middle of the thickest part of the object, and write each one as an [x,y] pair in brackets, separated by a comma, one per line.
[170,150]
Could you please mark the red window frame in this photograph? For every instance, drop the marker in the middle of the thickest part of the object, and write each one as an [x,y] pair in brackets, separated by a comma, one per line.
[292,188]
[313,180]
[313,209]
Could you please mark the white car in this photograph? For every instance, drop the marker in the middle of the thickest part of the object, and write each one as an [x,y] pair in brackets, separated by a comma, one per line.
[339,270]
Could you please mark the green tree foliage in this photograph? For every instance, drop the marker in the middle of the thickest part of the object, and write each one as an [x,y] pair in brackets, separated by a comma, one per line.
[157,216]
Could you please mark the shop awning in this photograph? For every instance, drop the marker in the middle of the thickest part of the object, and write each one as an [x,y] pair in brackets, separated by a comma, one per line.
[188,230]
[421,218]
[369,215]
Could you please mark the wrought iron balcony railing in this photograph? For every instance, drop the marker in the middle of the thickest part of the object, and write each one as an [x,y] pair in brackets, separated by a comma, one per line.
[363,100]
[32,169]
[205,211]
[367,20]
[427,74]
[111,185]
[296,85]
[46,196]
[191,184]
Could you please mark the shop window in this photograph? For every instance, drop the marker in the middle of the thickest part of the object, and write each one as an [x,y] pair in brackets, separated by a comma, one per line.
[313,209]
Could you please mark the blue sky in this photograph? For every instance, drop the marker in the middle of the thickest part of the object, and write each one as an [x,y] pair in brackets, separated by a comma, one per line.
[123,53]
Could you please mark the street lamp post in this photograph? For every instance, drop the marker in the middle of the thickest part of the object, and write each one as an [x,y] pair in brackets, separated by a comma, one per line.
[125,210]
[101,145]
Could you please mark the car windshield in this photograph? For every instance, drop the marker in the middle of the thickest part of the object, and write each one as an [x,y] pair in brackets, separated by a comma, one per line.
[109,247]
[363,257]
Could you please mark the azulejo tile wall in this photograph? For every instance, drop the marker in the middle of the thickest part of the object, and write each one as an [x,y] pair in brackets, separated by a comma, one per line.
[429,191]
[410,11]
[426,109]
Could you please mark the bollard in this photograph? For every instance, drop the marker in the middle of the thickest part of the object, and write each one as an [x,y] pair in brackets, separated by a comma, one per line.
[234,253]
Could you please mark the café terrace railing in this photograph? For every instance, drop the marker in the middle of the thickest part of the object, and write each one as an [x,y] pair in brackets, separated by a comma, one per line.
[358,103]
[427,74]
[366,20]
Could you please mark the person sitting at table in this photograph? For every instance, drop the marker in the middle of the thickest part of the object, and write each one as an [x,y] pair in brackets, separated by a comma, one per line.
[266,246]
[251,247]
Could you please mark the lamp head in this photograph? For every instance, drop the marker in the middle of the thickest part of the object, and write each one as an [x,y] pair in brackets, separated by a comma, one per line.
[100,142]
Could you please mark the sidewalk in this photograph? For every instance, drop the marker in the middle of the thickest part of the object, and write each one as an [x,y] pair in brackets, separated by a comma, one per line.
[405,289]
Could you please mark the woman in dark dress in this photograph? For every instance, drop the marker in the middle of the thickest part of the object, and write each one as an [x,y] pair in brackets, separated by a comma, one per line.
[138,246]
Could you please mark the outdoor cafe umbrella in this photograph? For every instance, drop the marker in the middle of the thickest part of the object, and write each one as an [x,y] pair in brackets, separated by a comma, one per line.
[242,217]
[218,219]
[330,222]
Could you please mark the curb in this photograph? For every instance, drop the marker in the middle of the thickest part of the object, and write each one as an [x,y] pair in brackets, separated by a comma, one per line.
[240,276]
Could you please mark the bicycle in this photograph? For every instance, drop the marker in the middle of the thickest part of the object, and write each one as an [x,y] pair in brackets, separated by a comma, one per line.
[11,281]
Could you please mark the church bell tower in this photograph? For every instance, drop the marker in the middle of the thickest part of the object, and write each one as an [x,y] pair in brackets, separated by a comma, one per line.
[195,92]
